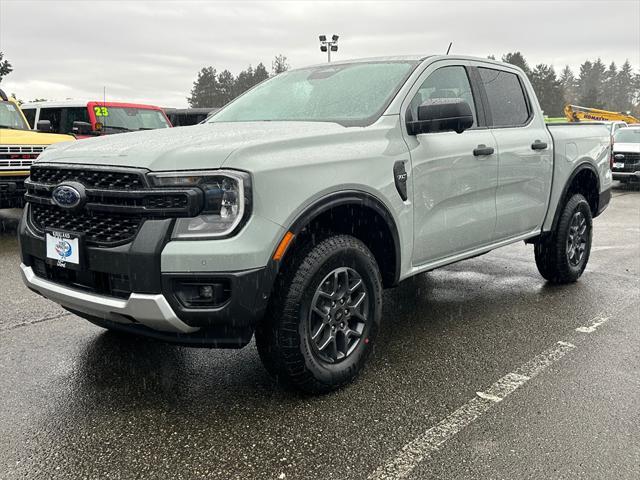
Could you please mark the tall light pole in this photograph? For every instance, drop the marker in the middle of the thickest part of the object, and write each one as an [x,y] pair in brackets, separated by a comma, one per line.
[328,45]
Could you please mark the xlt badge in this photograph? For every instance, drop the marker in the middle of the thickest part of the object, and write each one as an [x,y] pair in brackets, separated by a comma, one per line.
[400,179]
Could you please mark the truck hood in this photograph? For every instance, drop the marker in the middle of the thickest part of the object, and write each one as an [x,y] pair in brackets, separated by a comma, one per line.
[10,136]
[626,147]
[184,148]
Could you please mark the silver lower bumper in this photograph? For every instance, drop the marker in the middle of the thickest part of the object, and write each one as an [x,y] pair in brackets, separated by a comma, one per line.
[152,311]
[619,175]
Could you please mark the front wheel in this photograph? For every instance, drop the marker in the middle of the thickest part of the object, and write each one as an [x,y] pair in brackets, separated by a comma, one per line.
[563,256]
[324,315]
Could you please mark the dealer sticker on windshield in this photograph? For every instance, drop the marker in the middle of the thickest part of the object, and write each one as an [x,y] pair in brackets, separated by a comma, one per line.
[63,248]
[101,111]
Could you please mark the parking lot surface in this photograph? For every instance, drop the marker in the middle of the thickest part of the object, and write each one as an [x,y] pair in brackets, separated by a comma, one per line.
[482,370]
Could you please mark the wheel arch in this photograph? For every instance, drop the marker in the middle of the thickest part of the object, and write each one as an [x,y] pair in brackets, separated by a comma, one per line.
[584,179]
[327,214]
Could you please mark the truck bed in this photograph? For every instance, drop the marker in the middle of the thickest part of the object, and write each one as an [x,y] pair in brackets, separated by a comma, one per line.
[574,144]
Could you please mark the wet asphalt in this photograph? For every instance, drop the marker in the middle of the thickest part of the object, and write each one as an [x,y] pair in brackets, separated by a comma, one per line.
[79,402]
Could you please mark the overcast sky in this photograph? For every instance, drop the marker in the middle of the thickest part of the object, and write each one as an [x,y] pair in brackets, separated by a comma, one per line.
[151,51]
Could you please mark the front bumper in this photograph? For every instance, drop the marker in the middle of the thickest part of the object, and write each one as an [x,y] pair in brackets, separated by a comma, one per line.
[152,311]
[625,175]
[12,191]
[124,288]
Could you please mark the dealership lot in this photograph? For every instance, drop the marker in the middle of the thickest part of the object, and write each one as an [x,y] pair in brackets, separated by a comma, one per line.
[557,370]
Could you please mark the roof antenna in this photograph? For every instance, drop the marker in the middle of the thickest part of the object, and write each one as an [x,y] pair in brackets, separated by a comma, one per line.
[449,49]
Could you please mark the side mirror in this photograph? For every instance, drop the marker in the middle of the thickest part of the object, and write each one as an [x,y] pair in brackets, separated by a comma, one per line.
[44,126]
[82,128]
[442,115]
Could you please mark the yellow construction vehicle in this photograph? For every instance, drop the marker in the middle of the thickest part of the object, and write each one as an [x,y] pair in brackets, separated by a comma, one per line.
[574,113]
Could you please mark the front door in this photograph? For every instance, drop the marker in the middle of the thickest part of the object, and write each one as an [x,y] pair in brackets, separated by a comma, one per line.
[454,175]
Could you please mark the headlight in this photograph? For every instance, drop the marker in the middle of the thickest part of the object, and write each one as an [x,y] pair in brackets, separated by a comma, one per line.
[227,201]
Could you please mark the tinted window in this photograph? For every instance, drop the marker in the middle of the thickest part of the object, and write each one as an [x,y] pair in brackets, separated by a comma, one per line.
[446,82]
[507,100]
[53,115]
[30,115]
[74,114]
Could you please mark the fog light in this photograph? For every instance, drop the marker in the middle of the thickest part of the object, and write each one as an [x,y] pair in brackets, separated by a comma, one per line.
[206,292]
[202,293]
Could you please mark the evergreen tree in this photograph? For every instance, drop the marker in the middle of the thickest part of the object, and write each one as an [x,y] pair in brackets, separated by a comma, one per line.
[205,89]
[569,86]
[548,89]
[590,84]
[517,59]
[279,64]
[625,93]
[5,67]
[226,87]
[635,95]
[610,87]
[244,81]
[260,73]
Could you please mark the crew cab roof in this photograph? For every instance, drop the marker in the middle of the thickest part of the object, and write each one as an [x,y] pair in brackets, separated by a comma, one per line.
[416,59]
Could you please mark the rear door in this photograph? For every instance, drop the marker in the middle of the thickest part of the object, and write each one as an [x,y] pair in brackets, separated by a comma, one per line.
[454,189]
[525,151]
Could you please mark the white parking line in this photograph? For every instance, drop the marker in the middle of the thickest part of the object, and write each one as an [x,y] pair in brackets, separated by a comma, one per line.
[418,450]
[595,323]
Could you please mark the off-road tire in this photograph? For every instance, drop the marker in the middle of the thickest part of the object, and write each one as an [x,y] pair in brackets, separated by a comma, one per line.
[283,337]
[551,252]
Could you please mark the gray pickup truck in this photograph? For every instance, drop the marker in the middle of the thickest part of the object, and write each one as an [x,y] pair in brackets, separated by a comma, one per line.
[292,208]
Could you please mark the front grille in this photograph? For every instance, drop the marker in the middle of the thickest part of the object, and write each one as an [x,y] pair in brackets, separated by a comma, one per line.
[99,227]
[163,202]
[116,202]
[110,284]
[98,178]
[16,163]
[147,202]
[21,149]
[631,162]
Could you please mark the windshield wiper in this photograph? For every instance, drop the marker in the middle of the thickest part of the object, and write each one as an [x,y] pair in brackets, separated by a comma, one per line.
[115,127]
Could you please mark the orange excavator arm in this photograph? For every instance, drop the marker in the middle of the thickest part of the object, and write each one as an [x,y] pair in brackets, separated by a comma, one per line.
[574,113]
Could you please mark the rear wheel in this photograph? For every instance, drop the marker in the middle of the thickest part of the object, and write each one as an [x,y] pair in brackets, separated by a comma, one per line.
[323,317]
[563,256]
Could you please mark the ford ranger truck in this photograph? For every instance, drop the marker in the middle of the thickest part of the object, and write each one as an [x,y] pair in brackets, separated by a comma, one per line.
[19,147]
[287,213]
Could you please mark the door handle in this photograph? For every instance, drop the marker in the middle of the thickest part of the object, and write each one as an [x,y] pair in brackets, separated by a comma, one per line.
[482,150]
[538,145]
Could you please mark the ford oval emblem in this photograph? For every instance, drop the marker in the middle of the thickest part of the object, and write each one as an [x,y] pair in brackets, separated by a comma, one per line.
[66,196]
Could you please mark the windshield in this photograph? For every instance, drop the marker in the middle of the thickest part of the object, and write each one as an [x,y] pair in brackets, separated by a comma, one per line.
[350,94]
[627,135]
[10,117]
[124,118]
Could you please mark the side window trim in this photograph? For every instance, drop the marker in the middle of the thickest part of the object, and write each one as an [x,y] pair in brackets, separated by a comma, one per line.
[483,111]
[485,97]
